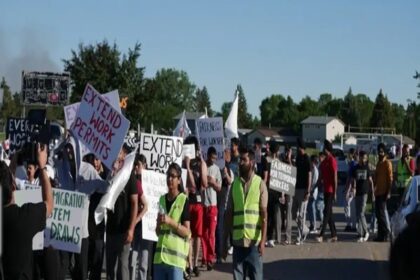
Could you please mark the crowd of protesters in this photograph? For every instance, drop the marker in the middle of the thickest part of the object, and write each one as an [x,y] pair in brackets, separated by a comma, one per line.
[216,212]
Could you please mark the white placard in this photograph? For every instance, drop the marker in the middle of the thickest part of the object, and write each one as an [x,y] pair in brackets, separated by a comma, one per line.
[31,196]
[70,111]
[160,151]
[188,150]
[154,186]
[210,133]
[68,220]
[99,126]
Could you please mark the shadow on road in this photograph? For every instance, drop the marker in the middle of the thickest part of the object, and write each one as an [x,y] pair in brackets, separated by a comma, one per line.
[340,269]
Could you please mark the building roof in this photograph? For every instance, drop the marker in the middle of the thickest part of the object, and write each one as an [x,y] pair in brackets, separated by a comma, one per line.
[272,132]
[319,120]
[190,115]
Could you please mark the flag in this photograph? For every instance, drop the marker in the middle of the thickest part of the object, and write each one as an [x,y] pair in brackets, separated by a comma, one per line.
[182,129]
[231,124]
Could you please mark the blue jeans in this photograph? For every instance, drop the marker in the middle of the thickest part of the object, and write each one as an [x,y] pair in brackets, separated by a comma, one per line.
[312,213]
[247,261]
[219,232]
[166,272]
[319,205]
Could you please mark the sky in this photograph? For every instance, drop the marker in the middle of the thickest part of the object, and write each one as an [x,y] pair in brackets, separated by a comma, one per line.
[296,48]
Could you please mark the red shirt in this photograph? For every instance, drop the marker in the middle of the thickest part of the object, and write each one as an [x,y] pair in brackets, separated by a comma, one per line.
[328,169]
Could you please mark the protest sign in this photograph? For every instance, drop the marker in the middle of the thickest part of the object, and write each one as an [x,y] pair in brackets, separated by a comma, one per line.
[31,196]
[17,130]
[188,151]
[28,186]
[154,186]
[71,110]
[68,221]
[282,177]
[160,151]
[210,133]
[99,126]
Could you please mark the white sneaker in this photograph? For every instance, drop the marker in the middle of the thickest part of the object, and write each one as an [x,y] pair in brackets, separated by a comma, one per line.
[366,238]
[360,240]
[230,251]
[270,244]
[314,231]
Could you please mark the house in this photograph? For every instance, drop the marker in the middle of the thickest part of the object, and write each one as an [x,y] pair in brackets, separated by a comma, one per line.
[191,118]
[319,128]
[283,135]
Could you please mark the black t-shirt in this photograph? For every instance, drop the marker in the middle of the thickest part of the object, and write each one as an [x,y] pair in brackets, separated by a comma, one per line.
[195,168]
[185,216]
[362,174]
[20,226]
[119,220]
[303,167]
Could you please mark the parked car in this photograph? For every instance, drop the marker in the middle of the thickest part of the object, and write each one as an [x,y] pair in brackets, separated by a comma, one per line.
[409,204]
[342,164]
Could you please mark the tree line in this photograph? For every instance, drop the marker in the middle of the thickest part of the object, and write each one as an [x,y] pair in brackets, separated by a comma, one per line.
[158,99]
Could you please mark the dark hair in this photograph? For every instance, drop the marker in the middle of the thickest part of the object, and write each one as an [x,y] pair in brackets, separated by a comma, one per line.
[274,147]
[211,151]
[381,146]
[140,158]
[250,152]
[300,143]
[351,151]
[178,170]
[192,140]
[362,153]
[257,141]
[6,181]
[314,158]
[235,141]
[327,145]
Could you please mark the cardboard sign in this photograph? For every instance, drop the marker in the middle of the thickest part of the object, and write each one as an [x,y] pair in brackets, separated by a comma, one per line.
[31,196]
[160,151]
[68,221]
[99,126]
[17,130]
[188,151]
[282,177]
[154,186]
[70,111]
[210,133]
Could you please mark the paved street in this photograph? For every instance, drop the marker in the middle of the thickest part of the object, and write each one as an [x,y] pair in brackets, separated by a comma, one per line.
[345,259]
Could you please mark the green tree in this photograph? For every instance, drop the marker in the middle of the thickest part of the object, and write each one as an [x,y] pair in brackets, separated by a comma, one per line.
[269,110]
[225,110]
[329,106]
[410,120]
[202,101]
[169,93]
[11,106]
[288,114]
[244,118]
[382,115]
[399,114]
[103,66]
[308,107]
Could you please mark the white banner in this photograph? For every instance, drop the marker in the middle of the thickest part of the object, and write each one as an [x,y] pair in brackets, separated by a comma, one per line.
[188,151]
[31,196]
[117,185]
[154,186]
[210,133]
[99,126]
[70,111]
[160,151]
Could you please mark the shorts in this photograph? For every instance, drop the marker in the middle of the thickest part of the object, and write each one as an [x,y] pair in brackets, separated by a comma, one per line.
[196,219]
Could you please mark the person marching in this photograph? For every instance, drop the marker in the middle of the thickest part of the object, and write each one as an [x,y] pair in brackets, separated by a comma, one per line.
[247,216]
[172,229]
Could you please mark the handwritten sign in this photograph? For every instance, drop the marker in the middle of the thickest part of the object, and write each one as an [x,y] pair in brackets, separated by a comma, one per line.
[68,221]
[17,130]
[154,186]
[282,177]
[31,196]
[99,126]
[160,151]
[188,151]
[210,133]
[70,111]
